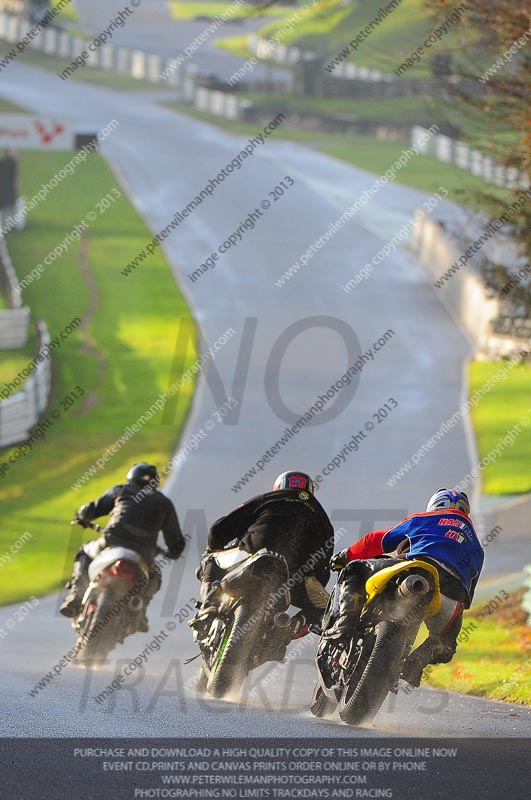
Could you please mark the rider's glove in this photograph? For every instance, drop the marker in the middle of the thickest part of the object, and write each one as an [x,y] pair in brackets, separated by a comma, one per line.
[339,561]
[300,627]
[403,548]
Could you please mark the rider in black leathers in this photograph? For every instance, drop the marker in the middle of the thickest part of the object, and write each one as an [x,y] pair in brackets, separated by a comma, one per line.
[288,520]
[137,513]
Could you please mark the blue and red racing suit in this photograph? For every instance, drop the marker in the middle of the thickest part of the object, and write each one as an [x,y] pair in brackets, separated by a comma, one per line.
[445,537]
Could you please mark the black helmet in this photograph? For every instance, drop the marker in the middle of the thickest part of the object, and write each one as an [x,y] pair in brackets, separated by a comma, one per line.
[143,473]
[294,480]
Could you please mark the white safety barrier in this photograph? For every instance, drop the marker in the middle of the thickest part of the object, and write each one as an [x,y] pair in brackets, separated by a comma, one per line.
[452,151]
[287,56]
[134,63]
[464,293]
[22,410]
[14,321]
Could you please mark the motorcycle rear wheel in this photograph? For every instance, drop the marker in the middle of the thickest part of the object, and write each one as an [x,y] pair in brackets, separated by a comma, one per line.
[94,647]
[376,674]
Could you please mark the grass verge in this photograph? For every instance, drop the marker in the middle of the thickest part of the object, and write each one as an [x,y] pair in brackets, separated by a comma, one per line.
[499,411]
[420,109]
[187,11]
[327,27]
[319,20]
[424,110]
[421,172]
[10,108]
[495,662]
[67,12]
[132,323]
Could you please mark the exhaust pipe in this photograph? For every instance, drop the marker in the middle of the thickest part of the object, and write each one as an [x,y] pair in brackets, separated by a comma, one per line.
[282,620]
[136,603]
[414,586]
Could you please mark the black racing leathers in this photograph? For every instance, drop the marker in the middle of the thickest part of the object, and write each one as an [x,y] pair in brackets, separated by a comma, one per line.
[288,521]
[136,515]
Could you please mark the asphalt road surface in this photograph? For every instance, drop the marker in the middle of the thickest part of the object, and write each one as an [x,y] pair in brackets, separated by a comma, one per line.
[163,160]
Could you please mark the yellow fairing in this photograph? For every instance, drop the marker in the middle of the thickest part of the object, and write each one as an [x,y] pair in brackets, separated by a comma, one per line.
[377,583]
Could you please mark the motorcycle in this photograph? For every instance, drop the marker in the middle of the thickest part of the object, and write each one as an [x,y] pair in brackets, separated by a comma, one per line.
[113,605]
[356,676]
[251,625]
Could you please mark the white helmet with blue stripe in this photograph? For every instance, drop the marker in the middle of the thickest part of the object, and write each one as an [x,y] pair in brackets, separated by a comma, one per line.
[449,498]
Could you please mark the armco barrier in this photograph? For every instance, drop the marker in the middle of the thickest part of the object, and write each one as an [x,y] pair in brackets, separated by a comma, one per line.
[465,294]
[22,410]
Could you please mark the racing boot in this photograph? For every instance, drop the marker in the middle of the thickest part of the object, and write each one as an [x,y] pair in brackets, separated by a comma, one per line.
[299,626]
[350,605]
[155,582]
[210,597]
[433,651]
[78,585]
[143,624]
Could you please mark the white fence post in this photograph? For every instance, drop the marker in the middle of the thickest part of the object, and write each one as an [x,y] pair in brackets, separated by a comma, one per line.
[50,40]
[123,60]
[173,72]
[154,68]
[202,99]
[64,45]
[94,58]
[138,64]
[231,106]
[189,85]
[107,57]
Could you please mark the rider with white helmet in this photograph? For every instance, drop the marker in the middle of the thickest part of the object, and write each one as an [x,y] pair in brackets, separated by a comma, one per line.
[442,535]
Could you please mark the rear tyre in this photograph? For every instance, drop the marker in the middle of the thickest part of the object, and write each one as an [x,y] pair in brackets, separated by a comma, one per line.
[377,672]
[99,635]
[233,658]
[321,705]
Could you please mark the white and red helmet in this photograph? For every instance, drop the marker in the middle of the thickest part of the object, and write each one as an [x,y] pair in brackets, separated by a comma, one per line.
[449,498]
[294,480]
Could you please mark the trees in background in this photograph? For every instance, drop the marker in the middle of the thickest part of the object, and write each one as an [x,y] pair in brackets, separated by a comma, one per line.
[492,79]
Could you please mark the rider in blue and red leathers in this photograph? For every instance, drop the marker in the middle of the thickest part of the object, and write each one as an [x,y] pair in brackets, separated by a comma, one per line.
[444,536]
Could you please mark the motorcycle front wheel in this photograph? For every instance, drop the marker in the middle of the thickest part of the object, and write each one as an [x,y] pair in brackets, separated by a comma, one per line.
[231,663]
[321,705]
